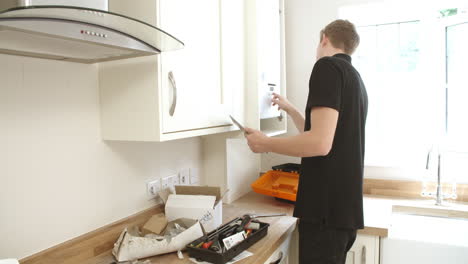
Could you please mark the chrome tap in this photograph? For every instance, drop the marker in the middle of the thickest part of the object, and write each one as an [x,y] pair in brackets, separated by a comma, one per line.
[439,195]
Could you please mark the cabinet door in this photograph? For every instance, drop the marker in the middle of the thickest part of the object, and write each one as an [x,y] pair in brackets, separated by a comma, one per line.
[269,54]
[281,254]
[364,251]
[192,94]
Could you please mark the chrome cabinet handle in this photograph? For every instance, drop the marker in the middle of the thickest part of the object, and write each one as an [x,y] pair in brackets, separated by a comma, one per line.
[174,94]
[363,255]
[278,261]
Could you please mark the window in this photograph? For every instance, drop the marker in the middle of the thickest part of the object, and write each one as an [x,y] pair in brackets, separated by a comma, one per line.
[457,84]
[389,62]
[412,62]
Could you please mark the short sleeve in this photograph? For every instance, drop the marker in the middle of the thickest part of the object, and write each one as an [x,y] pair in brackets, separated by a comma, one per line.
[325,85]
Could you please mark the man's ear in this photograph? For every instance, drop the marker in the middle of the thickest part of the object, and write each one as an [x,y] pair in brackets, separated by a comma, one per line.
[324,41]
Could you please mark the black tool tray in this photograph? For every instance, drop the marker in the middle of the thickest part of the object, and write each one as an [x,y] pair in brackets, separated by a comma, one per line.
[202,254]
[288,167]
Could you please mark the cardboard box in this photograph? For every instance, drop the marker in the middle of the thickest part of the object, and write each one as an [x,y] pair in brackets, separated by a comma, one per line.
[203,203]
[155,225]
[131,246]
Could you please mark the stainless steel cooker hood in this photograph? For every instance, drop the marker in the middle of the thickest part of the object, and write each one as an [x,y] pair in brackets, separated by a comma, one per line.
[79,34]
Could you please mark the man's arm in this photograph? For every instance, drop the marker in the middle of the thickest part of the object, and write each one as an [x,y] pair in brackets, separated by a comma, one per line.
[298,119]
[316,142]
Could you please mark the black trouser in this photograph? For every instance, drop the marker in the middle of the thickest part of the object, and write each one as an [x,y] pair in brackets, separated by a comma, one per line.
[319,244]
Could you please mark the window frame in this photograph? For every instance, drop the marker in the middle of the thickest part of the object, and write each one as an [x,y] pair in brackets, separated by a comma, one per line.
[446,23]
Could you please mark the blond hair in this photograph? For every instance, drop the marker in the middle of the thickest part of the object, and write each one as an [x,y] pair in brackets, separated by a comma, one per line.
[342,35]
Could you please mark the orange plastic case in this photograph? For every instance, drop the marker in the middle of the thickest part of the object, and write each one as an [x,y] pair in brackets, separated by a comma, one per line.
[277,184]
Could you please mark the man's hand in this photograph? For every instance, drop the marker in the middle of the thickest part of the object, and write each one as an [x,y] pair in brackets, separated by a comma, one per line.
[282,102]
[290,109]
[257,141]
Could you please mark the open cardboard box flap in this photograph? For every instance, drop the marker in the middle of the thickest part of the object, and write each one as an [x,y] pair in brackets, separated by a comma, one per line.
[203,203]
[201,190]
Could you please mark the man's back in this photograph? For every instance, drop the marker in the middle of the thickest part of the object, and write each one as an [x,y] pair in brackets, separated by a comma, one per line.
[330,187]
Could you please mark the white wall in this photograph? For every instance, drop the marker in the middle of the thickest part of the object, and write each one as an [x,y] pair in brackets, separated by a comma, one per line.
[58,179]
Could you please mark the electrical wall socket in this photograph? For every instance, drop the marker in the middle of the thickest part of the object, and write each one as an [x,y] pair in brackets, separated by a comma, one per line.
[194,176]
[175,180]
[153,187]
[165,183]
[170,182]
[184,177]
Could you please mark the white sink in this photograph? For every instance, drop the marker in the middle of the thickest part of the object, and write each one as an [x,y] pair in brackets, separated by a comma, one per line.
[428,208]
[416,239]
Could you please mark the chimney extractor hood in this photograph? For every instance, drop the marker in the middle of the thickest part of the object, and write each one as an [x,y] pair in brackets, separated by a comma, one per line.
[79,34]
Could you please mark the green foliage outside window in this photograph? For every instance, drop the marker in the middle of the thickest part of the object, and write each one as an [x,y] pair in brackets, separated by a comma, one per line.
[448,12]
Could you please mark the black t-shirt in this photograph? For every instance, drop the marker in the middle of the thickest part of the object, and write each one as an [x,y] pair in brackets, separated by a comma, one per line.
[330,187]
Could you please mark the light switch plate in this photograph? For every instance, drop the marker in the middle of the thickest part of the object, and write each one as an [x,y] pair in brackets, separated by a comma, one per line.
[165,183]
[170,181]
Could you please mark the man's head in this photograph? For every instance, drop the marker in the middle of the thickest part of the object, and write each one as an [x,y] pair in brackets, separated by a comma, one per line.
[340,36]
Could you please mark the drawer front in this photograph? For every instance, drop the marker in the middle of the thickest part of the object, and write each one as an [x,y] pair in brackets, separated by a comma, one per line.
[365,250]
[281,254]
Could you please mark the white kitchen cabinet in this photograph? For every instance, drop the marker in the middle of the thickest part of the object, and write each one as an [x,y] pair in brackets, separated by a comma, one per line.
[175,94]
[287,252]
[265,68]
[198,99]
[268,18]
[365,250]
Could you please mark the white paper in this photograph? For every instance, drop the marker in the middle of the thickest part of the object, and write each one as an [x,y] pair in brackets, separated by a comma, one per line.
[129,247]
[233,240]
[241,256]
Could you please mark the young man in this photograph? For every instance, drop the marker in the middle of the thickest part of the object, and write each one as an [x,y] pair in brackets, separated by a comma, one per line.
[331,144]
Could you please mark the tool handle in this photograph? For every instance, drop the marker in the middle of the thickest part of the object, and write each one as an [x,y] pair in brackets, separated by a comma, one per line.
[245,220]
[207,244]
[266,215]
